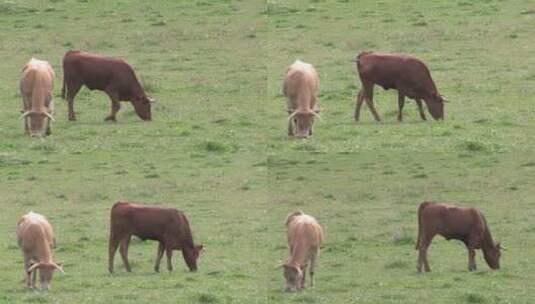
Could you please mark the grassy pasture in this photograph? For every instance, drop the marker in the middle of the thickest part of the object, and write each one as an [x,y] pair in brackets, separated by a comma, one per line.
[217,148]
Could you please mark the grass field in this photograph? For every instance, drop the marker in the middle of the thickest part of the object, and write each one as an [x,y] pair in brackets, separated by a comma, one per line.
[217,148]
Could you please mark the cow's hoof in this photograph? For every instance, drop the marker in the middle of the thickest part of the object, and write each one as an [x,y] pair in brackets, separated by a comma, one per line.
[110,118]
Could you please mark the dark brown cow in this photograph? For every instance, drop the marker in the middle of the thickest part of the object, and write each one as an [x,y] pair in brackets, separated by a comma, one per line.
[113,76]
[406,74]
[168,226]
[465,224]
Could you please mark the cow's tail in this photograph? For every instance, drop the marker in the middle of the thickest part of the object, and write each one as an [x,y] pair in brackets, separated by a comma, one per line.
[420,225]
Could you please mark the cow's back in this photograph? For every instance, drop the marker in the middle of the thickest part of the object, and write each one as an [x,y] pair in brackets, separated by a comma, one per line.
[451,221]
[37,82]
[305,229]
[99,72]
[32,230]
[301,84]
[147,222]
[396,71]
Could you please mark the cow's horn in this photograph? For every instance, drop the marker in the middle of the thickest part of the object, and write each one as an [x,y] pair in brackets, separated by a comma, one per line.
[33,267]
[316,114]
[292,115]
[24,114]
[50,116]
[151,100]
[59,268]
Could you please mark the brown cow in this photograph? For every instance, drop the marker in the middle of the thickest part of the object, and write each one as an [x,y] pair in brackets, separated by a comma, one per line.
[113,76]
[465,224]
[406,74]
[35,237]
[36,85]
[300,86]
[304,236]
[168,226]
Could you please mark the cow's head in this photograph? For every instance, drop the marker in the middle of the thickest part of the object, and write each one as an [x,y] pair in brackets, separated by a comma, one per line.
[142,106]
[36,122]
[435,104]
[492,256]
[191,256]
[46,270]
[294,277]
[303,121]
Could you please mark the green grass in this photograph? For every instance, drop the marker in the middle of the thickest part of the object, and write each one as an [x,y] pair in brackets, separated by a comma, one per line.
[217,148]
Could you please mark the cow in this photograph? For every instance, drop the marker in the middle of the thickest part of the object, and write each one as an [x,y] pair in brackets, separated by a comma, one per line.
[36,85]
[113,76]
[460,223]
[35,238]
[304,236]
[168,226]
[406,74]
[300,87]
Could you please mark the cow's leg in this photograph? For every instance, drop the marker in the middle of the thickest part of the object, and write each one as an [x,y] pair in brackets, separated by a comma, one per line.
[115,105]
[124,252]
[48,130]
[420,109]
[304,271]
[34,278]
[368,97]
[401,103]
[159,256]
[27,106]
[72,89]
[112,248]
[169,254]
[290,127]
[27,264]
[422,254]
[26,129]
[360,99]
[312,267]
[471,259]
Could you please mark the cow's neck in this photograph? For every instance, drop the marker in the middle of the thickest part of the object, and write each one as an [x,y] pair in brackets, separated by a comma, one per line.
[300,253]
[487,243]
[43,252]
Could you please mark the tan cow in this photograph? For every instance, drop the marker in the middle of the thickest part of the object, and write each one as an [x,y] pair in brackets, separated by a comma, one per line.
[301,86]
[304,239]
[36,239]
[36,85]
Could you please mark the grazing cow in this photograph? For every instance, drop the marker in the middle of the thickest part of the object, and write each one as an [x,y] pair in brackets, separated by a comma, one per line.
[113,76]
[408,75]
[304,239]
[465,224]
[36,85]
[36,240]
[168,226]
[300,86]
